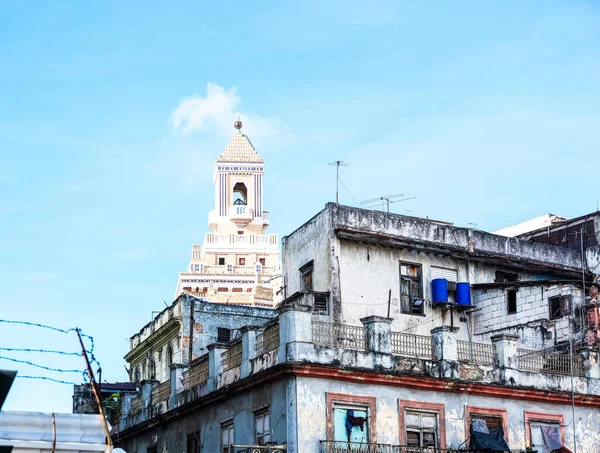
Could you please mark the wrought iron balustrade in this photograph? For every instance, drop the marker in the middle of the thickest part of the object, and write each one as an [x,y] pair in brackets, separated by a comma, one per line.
[549,362]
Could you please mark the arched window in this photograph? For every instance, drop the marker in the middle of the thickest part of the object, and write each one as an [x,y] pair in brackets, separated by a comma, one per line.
[136,375]
[151,369]
[169,355]
[240,194]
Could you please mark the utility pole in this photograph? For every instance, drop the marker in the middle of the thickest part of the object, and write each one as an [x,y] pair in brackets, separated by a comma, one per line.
[338,164]
[95,391]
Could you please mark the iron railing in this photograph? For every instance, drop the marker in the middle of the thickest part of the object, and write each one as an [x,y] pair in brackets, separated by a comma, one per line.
[161,392]
[339,335]
[411,345]
[355,447]
[196,375]
[268,340]
[258,448]
[476,353]
[232,357]
[549,362]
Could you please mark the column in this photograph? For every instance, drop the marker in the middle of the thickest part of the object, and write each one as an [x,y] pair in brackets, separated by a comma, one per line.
[378,333]
[215,366]
[177,370]
[248,349]
[445,351]
[506,363]
[295,326]
[591,363]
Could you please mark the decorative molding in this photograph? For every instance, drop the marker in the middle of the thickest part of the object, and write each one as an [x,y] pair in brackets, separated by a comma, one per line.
[422,406]
[156,339]
[369,401]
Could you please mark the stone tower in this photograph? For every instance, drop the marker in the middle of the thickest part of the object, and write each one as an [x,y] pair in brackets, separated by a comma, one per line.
[237,263]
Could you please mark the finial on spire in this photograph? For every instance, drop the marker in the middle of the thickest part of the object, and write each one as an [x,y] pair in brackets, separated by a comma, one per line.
[238,123]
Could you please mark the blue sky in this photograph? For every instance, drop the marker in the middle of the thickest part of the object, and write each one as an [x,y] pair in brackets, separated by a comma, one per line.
[111,116]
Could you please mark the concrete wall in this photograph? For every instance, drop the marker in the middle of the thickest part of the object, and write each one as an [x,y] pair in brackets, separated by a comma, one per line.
[209,317]
[171,436]
[312,414]
[531,321]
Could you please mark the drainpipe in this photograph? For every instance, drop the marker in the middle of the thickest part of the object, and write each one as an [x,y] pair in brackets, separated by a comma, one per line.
[191,342]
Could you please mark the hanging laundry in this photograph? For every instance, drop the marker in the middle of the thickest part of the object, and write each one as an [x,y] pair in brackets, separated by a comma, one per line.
[352,421]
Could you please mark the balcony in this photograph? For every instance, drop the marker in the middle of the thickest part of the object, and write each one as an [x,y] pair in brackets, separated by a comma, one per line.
[328,446]
[214,241]
[241,215]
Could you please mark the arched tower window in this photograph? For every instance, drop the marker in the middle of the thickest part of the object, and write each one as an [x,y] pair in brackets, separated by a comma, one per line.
[169,355]
[240,194]
[151,369]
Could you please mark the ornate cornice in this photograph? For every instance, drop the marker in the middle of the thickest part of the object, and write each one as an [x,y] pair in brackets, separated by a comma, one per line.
[156,339]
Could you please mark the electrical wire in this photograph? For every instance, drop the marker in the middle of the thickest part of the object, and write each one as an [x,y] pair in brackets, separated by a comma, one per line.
[344,186]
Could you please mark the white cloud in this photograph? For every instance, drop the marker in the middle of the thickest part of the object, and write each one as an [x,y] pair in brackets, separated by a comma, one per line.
[217,111]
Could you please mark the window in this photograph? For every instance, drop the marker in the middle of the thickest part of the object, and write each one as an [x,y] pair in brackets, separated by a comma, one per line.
[321,303]
[422,424]
[505,277]
[350,423]
[493,418]
[262,261]
[535,422]
[221,261]
[351,418]
[227,437]
[169,355]
[151,369]
[306,276]
[262,426]
[242,261]
[193,442]
[559,306]
[222,289]
[223,335]
[240,194]
[421,429]
[411,288]
[511,301]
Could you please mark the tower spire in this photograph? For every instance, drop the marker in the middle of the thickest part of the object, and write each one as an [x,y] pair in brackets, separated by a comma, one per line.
[238,123]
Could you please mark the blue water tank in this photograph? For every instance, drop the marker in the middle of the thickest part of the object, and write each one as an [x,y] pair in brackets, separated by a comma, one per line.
[463,293]
[439,290]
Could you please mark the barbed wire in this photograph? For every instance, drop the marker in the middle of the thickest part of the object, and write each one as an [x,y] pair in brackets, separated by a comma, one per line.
[46,351]
[44,378]
[90,351]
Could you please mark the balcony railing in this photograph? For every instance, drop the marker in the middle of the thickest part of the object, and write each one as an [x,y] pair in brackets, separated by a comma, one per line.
[476,353]
[268,340]
[549,362]
[161,392]
[356,447]
[136,404]
[339,335]
[232,357]
[196,375]
[237,239]
[411,345]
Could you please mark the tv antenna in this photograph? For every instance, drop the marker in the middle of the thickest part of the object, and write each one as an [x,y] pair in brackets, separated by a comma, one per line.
[387,200]
[338,164]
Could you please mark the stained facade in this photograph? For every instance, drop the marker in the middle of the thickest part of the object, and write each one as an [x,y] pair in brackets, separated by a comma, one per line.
[362,356]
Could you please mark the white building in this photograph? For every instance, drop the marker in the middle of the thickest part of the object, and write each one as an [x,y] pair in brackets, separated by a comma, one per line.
[237,263]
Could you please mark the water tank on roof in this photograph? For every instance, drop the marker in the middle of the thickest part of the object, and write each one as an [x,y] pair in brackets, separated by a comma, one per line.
[463,293]
[439,290]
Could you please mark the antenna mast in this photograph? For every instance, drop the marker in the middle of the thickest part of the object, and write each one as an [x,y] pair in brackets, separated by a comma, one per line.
[387,199]
[338,164]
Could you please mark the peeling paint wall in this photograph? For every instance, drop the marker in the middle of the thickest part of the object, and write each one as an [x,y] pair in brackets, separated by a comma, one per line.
[312,414]
[170,436]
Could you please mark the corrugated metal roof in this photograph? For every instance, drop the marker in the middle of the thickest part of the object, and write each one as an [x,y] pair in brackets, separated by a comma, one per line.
[32,431]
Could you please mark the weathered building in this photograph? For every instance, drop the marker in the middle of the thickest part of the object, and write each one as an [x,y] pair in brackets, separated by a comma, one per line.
[363,356]
[237,263]
[111,395]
